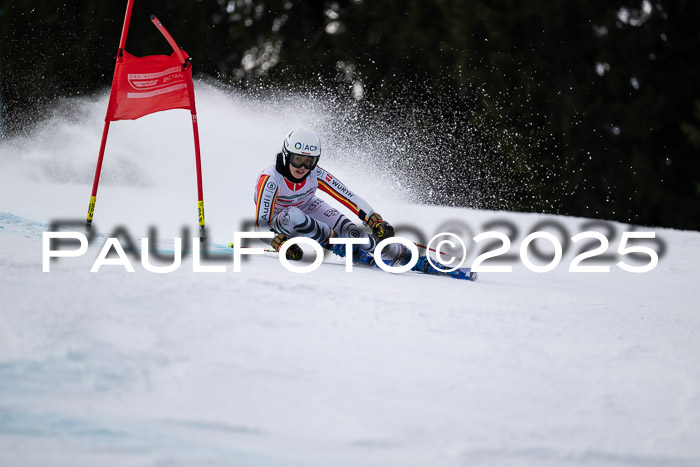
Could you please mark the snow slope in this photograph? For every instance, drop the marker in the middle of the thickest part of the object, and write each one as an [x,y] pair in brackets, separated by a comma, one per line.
[267,367]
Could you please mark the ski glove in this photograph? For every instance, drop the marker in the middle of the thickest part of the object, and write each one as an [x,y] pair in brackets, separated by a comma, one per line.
[294,252]
[381,228]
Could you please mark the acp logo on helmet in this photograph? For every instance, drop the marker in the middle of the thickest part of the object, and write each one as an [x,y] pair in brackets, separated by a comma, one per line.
[305,147]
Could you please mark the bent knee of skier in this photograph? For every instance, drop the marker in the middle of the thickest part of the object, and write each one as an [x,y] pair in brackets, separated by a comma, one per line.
[294,223]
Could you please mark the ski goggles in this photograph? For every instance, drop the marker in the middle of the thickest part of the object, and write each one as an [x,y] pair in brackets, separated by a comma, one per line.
[300,160]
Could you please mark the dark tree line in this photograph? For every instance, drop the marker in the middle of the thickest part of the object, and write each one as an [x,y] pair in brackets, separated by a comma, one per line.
[599,99]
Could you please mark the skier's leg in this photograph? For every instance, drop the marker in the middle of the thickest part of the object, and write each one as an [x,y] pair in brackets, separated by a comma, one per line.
[318,209]
[293,222]
[342,227]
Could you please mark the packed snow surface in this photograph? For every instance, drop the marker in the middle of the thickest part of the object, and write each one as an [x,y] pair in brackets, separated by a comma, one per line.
[266,367]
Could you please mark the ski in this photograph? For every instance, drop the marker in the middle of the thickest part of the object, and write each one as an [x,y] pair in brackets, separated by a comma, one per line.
[423,266]
[459,273]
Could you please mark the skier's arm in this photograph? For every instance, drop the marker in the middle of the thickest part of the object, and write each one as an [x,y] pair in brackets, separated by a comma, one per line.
[341,193]
[265,197]
[355,203]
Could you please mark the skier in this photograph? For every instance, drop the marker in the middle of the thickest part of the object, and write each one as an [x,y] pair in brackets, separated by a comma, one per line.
[286,203]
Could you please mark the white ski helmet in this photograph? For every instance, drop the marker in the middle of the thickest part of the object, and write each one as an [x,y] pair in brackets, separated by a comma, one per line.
[301,147]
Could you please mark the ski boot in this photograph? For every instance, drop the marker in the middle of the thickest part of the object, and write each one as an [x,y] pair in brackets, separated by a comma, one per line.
[424,266]
[396,254]
[358,254]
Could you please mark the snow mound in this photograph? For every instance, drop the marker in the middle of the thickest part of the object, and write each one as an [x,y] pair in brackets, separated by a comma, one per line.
[268,367]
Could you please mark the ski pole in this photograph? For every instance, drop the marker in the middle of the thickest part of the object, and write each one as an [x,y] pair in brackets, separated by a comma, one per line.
[231,245]
[436,252]
[417,244]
